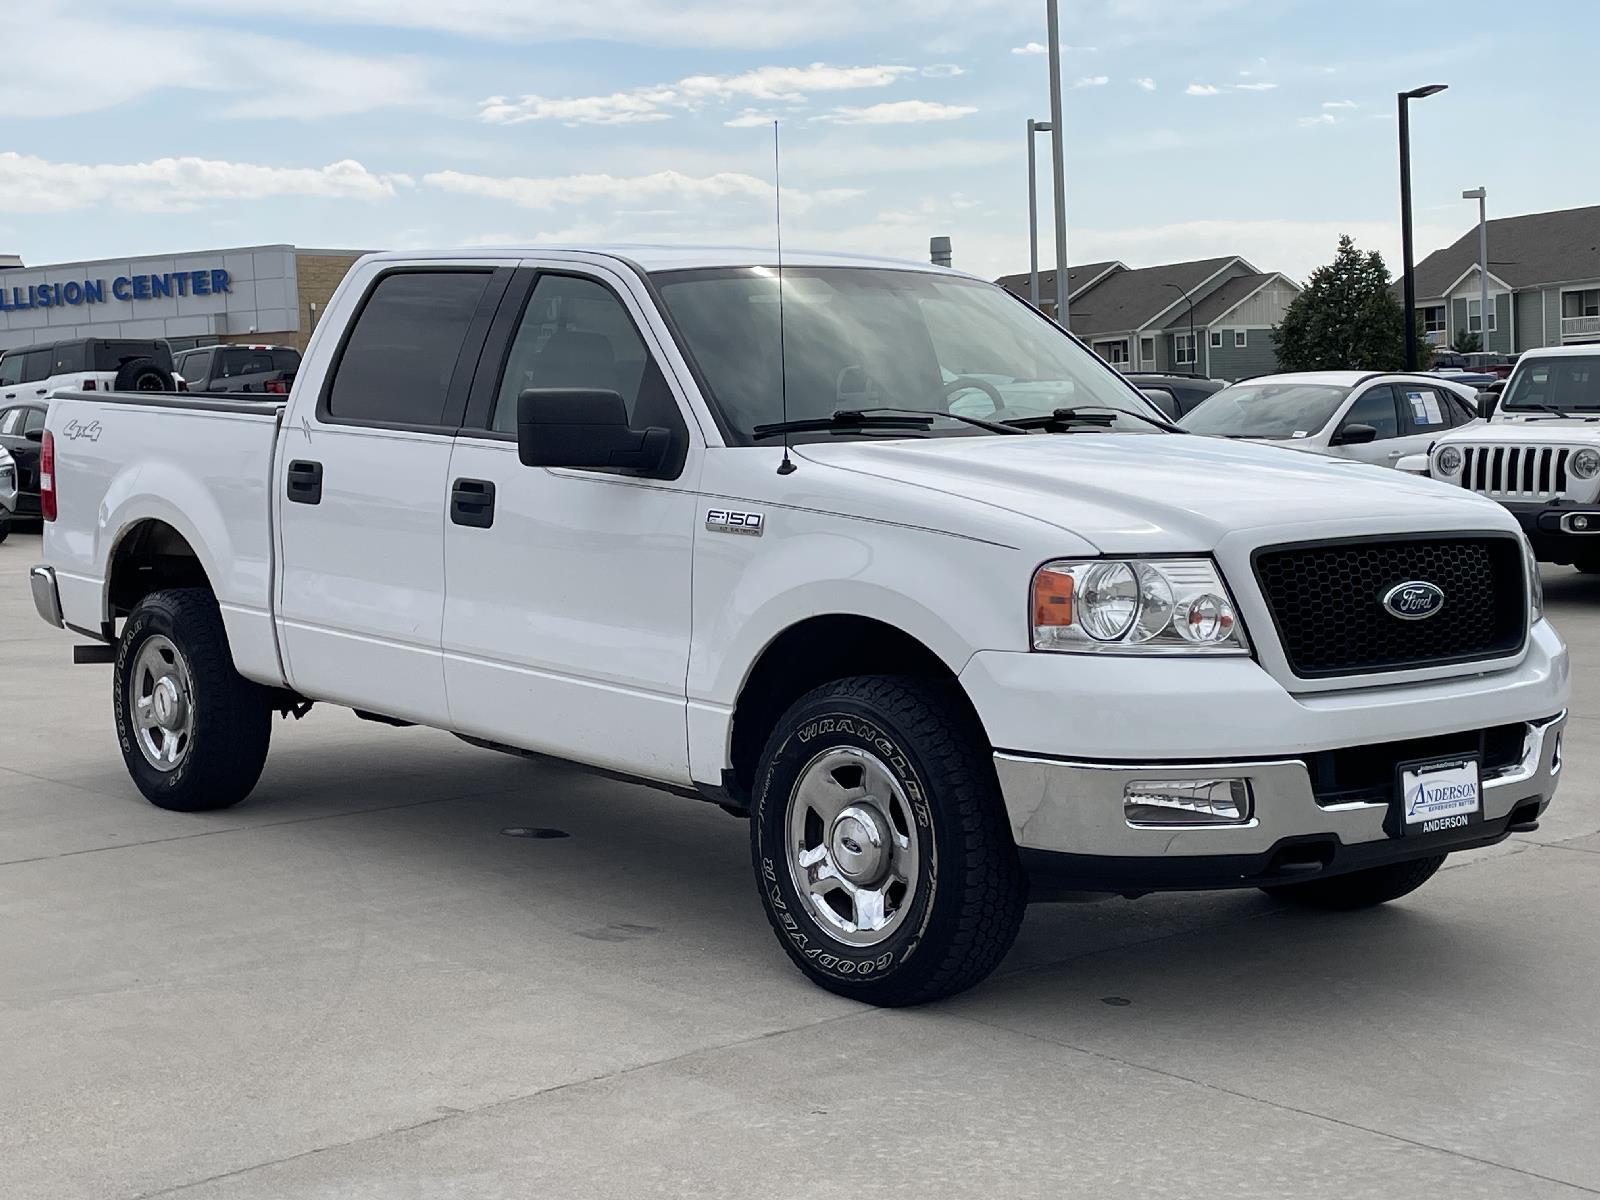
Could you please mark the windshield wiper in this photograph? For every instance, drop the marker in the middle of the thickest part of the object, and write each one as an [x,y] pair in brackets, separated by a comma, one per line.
[1102,415]
[846,420]
[1532,405]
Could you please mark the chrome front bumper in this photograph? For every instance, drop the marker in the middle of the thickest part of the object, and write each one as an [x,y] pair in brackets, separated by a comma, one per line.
[46,597]
[1076,808]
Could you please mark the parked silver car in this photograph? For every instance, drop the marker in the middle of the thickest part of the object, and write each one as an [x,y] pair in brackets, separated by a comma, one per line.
[8,491]
[1376,418]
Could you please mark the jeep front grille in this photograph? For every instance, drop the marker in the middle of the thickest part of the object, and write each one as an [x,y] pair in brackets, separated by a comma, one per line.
[1515,472]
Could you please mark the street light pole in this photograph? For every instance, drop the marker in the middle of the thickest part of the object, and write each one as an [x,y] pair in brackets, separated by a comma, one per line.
[1194,345]
[1404,101]
[1058,161]
[1482,197]
[1034,127]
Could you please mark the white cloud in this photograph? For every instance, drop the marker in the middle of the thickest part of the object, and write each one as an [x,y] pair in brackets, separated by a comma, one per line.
[1145,82]
[1042,48]
[1091,81]
[1339,104]
[942,71]
[1319,119]
[749,119]
[1211,89]
[265,78]
[1201,89]
[655,102]
[1255,87]
[898,112]
[668,187]
[178,184]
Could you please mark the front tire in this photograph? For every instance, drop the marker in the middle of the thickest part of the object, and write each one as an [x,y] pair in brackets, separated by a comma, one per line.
[1361,889]
[881,845]
[193,731]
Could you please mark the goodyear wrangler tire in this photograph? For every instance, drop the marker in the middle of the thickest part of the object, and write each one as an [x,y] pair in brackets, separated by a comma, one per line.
[880,842]
[193,731]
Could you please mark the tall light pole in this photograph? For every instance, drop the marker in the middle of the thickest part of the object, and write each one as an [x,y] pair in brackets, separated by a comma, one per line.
[1404,100]
[1034,127]
[1482,197]
[1195,345]
[1058,159]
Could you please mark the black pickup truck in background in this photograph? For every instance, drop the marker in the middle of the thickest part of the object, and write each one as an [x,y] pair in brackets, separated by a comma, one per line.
[268,369]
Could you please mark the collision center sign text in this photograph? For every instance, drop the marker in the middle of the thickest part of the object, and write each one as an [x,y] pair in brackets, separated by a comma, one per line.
[212,281]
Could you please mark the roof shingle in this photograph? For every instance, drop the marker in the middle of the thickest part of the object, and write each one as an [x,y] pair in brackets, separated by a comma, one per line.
[1550,247]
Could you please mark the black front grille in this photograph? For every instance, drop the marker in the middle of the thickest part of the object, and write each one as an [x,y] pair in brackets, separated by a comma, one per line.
[1367,774]
[1326,600]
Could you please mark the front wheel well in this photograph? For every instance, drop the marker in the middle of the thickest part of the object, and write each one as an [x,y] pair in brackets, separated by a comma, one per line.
[150,555]
[805,656]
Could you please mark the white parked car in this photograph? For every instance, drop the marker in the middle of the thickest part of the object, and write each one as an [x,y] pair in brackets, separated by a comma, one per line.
[130,364]
[1375,418]
[1539,455]
[8,492]
[623,509]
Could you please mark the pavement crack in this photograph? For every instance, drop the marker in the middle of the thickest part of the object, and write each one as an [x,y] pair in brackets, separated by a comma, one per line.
[493,1105]
[1275,1104]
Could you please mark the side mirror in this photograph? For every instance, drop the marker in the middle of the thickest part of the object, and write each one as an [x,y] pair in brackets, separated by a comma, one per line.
[34,435]
[585,427]
[1355,435]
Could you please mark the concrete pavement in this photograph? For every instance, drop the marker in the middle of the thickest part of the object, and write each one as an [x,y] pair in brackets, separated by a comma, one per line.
[355,985]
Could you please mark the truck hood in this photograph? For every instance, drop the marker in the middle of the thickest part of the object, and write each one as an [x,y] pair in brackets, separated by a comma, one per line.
[1128,493]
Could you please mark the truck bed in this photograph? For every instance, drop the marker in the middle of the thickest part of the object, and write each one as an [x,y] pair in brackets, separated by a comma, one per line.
[199,464]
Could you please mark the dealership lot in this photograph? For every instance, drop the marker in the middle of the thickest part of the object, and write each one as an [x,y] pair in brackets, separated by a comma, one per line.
[356,985]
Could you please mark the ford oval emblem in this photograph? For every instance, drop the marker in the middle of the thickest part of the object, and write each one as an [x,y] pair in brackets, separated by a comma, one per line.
[1414,601]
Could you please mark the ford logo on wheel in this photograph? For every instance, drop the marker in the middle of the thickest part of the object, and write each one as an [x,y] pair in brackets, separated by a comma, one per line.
[1414,601]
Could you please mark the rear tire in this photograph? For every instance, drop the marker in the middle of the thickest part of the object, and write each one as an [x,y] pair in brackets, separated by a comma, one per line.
[193,731]
[144,375]
[1361,889]
[881,844]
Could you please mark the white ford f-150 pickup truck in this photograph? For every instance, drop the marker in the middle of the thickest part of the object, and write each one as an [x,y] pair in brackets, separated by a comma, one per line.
[871,553]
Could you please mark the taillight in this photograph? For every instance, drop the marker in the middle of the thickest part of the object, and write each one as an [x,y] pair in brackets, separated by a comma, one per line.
[88,385]
[277,387]
[47,476]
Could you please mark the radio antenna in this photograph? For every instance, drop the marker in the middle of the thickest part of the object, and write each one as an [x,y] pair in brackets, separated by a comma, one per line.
[786,467]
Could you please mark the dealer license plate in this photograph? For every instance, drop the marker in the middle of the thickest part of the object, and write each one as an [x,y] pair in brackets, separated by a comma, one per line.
[1436,797]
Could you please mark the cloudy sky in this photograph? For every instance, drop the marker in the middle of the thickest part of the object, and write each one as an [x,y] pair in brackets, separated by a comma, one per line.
[1195,127]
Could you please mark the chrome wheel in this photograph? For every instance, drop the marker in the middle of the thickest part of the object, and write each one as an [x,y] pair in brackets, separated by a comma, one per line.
[852,845]
[161,702]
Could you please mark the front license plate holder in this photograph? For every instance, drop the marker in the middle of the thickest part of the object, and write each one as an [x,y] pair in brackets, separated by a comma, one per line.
[1434,796]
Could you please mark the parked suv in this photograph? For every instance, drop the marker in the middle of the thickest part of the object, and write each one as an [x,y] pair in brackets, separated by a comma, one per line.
[21,431]
[86,364]
[1374,418]
[268,369]
[1539,455]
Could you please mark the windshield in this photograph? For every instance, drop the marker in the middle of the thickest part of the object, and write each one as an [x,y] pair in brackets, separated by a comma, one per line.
[1267,410]
[1569,384]
[863,338]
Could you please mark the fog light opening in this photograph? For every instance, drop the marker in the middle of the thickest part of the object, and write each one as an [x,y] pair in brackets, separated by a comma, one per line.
[1555,753]
[1180,802]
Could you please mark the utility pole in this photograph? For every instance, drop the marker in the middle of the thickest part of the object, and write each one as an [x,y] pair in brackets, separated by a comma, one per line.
[1404,99]
[1034,127]
[1482,197]
[1058,158]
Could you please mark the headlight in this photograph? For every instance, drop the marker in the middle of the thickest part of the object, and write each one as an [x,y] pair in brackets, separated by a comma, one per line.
[1535,584]
[1586,464]
[1448,460]
[1131,606]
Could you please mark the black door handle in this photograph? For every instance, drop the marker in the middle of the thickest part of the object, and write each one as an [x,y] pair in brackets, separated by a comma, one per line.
[305,482]
[472,503]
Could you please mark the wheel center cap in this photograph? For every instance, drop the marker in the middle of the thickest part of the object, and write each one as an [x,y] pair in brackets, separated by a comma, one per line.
[859,844]
[168,702]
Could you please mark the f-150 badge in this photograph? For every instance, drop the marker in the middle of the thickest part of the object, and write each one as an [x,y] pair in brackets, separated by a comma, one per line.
[720,520]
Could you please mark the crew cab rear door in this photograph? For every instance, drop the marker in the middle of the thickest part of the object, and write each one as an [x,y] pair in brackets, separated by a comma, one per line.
[361,474]
[566,625]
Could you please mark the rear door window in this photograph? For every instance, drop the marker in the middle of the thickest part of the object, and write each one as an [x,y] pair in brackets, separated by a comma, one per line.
[10,421]
[69,358]
[11,370]
[33,420]
[396,365]
[1424,408]
[38,365]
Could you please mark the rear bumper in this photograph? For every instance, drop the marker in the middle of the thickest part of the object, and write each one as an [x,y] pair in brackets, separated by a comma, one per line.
[1067,818]
[46,596]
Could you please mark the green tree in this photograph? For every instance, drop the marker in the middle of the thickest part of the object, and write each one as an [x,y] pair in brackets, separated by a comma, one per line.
[1467,342]
[1346,318]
